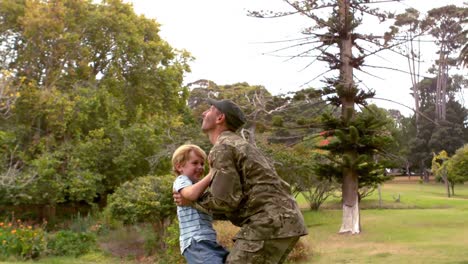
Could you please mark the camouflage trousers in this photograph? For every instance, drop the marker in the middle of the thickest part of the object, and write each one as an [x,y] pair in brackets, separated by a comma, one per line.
[270,251]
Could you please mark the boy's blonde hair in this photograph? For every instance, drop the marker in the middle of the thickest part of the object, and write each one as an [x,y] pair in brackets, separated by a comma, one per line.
[181,155]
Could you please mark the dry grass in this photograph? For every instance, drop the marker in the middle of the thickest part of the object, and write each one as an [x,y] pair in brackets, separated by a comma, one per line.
[225,232]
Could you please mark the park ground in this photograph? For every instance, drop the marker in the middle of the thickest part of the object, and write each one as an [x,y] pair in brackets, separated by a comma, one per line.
[424,226]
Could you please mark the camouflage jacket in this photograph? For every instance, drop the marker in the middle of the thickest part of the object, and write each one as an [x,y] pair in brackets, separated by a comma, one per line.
[247,191]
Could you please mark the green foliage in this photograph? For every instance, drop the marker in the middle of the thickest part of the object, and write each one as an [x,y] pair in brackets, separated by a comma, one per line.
[145,199]
[277,121]
[69,243]
[367,135]
[448,135]
[172,238]
[96,95]
[22,241]
[457,166]
[439,166]
[296,166]
[301,121]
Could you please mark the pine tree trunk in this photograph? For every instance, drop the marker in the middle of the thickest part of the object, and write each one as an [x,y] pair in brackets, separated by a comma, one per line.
[351,221]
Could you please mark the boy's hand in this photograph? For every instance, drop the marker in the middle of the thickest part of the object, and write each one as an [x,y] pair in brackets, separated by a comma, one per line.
[179,200]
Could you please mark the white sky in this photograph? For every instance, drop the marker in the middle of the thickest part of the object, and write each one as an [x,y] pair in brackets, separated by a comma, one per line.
[230,47]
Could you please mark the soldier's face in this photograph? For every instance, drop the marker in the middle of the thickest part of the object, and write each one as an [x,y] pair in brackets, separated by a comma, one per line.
[210,117]
[193,167]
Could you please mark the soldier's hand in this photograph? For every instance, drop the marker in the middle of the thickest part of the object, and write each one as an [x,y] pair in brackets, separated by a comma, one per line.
[179,200]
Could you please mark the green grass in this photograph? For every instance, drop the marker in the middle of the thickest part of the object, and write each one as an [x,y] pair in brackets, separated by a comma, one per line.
[425,227]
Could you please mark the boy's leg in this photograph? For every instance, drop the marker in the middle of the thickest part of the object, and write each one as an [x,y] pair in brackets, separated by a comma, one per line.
[205,252]
[261,251]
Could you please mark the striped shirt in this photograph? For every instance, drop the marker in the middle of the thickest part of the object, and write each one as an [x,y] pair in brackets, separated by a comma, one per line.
[193,224]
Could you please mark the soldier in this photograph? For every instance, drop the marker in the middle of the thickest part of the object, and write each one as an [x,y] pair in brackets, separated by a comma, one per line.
[246,190]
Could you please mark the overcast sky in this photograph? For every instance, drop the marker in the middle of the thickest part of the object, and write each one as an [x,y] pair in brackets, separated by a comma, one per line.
[231,47]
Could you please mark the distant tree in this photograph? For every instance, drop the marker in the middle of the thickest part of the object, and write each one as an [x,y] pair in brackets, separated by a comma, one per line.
[411,23]
[9,93]
[463,57]
[265,112]
[404,131]
[449,134]
[445,25]
[296,166]
[457,167]
[439,168]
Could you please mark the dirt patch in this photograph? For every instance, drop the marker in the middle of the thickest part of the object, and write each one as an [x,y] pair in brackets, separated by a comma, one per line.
[125,243]
[410,179]
[125,249]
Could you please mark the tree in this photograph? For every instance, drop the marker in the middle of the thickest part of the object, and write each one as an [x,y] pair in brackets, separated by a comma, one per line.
[146,199]
[439,168]
[98,95]
[296,166]
[336,41]
[370,134]
[463,57]
[445,25]
[411,23]
[457,167]
[433,137]
[8,93]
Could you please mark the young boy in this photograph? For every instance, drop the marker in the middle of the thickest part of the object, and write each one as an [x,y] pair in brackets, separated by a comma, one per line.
[197,237]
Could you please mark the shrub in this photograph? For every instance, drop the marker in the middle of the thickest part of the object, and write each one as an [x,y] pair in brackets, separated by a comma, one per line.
[18,240]
[277,121]
[171,239]
[145,199]
[69,243]
[301,121]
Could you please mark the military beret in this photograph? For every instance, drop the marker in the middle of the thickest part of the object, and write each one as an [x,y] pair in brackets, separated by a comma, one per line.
[235,118]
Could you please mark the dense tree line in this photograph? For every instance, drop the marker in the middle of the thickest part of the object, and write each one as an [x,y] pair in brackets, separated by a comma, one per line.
[92,96]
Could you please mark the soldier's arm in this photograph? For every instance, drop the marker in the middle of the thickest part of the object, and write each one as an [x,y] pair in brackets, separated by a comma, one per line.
[225,193]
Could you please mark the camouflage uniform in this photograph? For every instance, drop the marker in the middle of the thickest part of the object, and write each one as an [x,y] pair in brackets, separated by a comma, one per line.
[247,191]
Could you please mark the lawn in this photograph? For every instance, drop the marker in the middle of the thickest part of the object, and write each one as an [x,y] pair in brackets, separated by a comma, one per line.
[424,227]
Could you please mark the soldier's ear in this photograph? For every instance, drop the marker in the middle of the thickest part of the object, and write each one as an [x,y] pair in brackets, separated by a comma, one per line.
[220,118]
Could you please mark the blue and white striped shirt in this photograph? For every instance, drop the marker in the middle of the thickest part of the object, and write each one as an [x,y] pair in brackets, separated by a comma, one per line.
[193,224]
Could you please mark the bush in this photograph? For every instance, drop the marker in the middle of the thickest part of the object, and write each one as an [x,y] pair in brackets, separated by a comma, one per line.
[20,240]
[277,121]
[145,199]
[69,243]
[171,239]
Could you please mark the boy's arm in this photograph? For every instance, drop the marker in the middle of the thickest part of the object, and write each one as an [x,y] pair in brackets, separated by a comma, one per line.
[194,191]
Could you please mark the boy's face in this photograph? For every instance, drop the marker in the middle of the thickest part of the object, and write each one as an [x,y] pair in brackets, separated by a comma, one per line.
[193,167]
